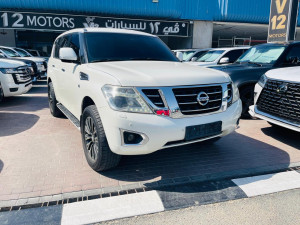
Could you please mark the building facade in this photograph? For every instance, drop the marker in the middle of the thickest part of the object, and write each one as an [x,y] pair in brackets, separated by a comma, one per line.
[179,23]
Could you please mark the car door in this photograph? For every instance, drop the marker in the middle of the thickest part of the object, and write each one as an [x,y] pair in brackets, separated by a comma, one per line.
[71,73]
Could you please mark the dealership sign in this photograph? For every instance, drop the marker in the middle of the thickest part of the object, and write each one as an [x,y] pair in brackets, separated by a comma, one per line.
[56,22]
[283,20]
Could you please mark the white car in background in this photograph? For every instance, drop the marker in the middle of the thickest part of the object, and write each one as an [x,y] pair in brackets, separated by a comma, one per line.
[219,56]
[40,62]
[277,98]
[191,54]
[15,78]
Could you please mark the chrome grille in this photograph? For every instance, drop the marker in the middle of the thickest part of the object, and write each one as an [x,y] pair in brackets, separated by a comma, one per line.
[154,96]
[281,104]
[189,105]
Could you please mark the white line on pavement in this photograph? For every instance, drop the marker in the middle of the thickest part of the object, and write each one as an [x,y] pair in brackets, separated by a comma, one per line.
[271,183]
[117,207]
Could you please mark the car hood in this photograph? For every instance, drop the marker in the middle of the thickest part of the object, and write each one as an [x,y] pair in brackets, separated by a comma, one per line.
[10,63]
[34,59]
[286,74]
[154,73]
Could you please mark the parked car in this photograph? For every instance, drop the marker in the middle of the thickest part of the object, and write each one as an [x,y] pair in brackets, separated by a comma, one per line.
[37,53]
[277,98]
[15,78]
[219,56]
[247,70]
[191,54]
[131,98]
[41,66]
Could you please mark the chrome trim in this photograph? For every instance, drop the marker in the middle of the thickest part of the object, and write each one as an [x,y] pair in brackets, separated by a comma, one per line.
[143,142]
[191,142]
[294,82]
[201,110]
[171,103]
[268,116]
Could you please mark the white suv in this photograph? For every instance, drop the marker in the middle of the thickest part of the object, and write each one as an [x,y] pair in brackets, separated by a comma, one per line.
[129,95]
[15,78]
[277,98]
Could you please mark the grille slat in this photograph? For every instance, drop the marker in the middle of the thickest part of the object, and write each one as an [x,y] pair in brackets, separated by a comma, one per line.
[154,96]
[187,99]
[284,105]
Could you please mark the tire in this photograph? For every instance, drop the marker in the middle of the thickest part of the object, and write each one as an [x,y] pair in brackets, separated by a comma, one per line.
[96,149]
[52,102]
[247,97]
[1,93]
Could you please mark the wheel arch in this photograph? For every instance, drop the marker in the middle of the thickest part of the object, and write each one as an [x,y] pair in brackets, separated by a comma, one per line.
[87,101]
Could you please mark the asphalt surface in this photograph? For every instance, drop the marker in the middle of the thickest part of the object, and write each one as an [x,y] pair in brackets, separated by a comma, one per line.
[274,209]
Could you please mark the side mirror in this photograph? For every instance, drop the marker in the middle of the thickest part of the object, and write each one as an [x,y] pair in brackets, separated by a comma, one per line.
[179,55]
[67,54]
[194,59]
[224,60]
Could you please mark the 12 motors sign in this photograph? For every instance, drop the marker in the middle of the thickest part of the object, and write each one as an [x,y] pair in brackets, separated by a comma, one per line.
[283,20]
[56,22]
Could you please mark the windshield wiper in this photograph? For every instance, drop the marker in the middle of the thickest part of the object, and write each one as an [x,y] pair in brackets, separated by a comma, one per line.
[254,63]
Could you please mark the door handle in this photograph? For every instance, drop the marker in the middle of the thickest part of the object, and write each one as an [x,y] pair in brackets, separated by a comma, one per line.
[63,69]
[53,65]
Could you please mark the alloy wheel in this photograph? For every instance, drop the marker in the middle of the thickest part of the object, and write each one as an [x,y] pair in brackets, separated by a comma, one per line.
[91,138]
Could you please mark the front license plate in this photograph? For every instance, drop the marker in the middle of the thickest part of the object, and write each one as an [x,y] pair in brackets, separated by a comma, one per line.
[202,131]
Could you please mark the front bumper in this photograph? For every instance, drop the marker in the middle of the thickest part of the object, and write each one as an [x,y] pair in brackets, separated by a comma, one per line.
[254,112]
[12,89]
[160,130]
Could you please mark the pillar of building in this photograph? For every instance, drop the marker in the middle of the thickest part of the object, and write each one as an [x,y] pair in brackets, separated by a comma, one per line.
[202,34]
[7,37]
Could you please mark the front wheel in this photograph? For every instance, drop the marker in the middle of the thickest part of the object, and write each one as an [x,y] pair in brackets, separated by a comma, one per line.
[247,97]
[96,149]
[1,93]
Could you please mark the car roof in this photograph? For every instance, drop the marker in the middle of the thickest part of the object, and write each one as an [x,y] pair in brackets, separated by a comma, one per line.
[106,30]
[230,48]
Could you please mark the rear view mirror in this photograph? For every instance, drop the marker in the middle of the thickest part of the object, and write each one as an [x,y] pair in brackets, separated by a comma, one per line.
[67,54]
[194,59]
[179,55]
[224,60]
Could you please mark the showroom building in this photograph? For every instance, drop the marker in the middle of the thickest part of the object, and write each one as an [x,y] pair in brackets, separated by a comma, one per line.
[179,23]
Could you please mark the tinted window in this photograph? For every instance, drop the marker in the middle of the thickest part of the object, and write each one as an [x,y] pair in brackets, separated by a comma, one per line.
[233,55]
[294,52]
[122,47]
[74,43]
[59,43]
[10,52]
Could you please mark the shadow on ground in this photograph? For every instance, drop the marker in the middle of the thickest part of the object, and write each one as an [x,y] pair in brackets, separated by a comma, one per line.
[286,136]
[1,165]
[15,123]
[233,155]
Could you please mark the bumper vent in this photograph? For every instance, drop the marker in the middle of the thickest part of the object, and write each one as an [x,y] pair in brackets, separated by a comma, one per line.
[187,99]
[281,99]
[154,96]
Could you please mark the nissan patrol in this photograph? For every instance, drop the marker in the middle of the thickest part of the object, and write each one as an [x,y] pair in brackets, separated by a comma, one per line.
[129,95]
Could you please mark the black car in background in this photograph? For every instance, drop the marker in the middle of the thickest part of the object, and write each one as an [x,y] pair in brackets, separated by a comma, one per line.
[247,70]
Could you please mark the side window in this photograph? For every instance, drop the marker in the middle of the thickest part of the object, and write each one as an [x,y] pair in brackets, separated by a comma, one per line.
[294,52]
[74,43]
[233,55]
[198,54]
[61,42]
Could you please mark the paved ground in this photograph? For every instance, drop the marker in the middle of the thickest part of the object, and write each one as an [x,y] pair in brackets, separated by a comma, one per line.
[280,208]
[41,155]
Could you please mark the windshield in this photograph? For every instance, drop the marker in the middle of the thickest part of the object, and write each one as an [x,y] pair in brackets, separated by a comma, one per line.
[122,47]
[10,52]
[187,55]
[262,54]
[22,52]
[210,56]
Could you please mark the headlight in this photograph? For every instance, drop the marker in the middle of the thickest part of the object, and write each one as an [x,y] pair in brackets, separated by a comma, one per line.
[236,93]
[263,80]
[19,70]
[125,99]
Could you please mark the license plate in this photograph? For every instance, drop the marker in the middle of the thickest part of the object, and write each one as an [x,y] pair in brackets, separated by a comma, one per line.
[203,130]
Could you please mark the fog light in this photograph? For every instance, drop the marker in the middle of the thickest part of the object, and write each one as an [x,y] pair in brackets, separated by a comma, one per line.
[132,138]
